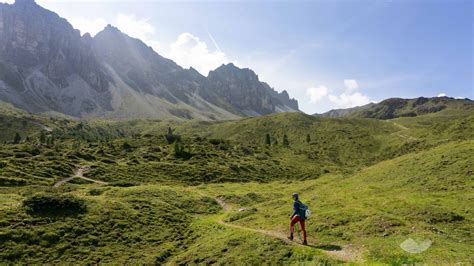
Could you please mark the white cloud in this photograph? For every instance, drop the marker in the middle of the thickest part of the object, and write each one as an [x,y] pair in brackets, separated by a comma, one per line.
[188,50]
[441,95]
[316,94]
[137,28]
[351,85]
[347,100]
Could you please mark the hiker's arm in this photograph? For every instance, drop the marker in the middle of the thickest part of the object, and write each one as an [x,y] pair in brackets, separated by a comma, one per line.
[295,210]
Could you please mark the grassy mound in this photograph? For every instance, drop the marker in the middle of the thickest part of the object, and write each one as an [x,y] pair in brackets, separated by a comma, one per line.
[54,204]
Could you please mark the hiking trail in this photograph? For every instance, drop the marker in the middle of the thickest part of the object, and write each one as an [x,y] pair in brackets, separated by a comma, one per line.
[347,253]
[404,136]
[79,174]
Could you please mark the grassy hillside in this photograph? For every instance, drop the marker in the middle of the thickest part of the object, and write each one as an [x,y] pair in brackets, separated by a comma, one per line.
[397,107]
[425,195]
[219,193]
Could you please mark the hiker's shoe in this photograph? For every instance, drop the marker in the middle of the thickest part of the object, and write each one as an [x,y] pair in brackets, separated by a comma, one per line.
[305,243]
[290,237]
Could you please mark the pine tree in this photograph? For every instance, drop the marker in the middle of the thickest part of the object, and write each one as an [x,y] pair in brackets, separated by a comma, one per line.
[286,142]
[171,137]
[268,140]
[17,138]
[178,149]
[42,137]
[308,138]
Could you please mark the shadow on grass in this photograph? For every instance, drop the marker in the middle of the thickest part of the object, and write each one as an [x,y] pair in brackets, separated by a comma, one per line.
[327,247]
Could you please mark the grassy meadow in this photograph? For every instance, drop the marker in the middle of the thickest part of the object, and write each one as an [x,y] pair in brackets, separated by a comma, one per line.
[220,192]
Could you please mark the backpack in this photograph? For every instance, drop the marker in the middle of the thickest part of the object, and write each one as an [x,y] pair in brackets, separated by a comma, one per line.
[304,211]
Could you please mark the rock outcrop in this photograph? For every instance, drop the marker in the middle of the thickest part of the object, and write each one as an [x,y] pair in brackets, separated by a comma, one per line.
[46,65]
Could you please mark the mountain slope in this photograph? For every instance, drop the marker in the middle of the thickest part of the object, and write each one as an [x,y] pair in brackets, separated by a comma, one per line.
[46,65]
[397,107]
[344,112]
[371,185]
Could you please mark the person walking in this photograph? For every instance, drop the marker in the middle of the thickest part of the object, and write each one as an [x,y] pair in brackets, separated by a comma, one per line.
[299,215]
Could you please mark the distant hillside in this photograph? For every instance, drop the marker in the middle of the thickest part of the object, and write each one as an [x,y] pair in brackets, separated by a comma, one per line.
[48,66]
[343,112]
[397,107]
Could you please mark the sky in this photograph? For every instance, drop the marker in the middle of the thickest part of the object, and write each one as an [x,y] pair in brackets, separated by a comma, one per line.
[326,54]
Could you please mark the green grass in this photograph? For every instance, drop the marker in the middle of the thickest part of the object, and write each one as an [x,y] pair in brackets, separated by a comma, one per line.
[370,184]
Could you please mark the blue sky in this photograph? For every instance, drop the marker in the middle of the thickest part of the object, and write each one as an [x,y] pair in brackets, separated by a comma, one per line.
[326,54]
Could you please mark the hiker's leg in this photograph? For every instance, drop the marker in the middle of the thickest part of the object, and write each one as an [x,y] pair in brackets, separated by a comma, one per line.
[303,229]
[292,224]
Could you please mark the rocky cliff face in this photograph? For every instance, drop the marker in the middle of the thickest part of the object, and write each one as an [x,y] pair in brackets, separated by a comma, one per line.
[46,65]
[242,89]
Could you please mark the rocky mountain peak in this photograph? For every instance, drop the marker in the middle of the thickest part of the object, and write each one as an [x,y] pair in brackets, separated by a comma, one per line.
[111,29]
[25,2]
[47,65]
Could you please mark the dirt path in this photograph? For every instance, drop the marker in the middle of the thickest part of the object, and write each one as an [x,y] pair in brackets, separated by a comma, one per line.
[400,126]
[347,253]
[403,136]
[47,129]
[406,137]
[79,174]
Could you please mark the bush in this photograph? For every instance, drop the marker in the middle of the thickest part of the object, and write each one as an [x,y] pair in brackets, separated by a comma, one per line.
[11,182]
[54,204]
[216,141]
[124,184]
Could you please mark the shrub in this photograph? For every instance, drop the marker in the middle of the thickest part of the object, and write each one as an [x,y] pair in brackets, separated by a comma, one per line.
[17,138]
[54,204]
[286,142]
[171,137]
[268,140]
[180,153]
[216,141]
[10,182]
[124,184]
[127,146]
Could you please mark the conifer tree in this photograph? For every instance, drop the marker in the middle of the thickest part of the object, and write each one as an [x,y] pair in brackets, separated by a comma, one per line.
[17,138]
[42,137]
[286,142]
[268,140]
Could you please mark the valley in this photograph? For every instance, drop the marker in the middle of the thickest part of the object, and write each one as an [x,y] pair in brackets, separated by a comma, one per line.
[136,133]
[219,192]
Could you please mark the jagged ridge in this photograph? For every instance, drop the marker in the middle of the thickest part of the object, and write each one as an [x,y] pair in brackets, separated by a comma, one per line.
[46,65]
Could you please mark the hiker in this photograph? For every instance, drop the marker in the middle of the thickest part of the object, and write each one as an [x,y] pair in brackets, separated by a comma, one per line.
[298,215]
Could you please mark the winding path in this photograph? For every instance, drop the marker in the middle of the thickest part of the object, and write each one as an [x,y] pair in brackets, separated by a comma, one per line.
[346,254]
[79,174]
